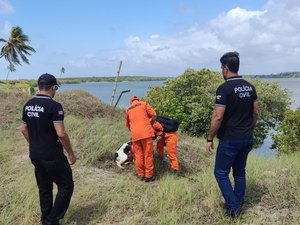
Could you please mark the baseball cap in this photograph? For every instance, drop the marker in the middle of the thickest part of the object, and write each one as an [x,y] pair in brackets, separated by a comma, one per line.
[47,79]
[132,98]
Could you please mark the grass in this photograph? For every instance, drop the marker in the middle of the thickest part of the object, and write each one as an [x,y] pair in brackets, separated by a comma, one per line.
[21,85]
[106,194]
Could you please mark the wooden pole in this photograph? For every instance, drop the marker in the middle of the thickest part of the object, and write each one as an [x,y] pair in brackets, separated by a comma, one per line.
[116,83]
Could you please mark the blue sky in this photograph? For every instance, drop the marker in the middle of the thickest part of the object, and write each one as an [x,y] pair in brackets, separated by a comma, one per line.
[155,38]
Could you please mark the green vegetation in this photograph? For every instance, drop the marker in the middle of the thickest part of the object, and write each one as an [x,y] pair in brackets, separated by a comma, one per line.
[191,99]
[15,47]
[105,194]
[274,101]
[73,80]
[288,138]
[10,68]
[22,85]
[279,75]
[188,98]
[62,70]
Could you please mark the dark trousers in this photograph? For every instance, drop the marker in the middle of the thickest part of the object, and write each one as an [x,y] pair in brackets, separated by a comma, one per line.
[56,171]
[232,154]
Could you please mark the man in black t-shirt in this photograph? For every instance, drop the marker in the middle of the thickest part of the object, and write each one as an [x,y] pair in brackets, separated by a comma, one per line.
[44,130]
[233,121]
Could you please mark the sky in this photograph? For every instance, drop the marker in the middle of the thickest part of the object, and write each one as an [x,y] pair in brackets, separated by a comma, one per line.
[152,38]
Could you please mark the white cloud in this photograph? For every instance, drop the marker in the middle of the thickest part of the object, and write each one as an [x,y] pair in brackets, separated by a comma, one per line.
[239,14]
[5,7]
[268,41]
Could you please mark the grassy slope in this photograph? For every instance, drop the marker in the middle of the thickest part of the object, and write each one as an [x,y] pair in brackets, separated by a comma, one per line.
[105,194]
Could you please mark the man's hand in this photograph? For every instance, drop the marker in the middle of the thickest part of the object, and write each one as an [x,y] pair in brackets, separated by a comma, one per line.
[210,147]
[72,159]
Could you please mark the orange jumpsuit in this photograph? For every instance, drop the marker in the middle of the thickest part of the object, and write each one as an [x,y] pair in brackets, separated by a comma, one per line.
[138,117]
[170,140]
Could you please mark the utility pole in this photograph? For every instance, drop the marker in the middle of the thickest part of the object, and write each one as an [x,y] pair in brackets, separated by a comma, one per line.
[116,83]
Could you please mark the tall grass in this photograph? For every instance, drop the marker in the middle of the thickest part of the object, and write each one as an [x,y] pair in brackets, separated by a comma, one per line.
[105,194]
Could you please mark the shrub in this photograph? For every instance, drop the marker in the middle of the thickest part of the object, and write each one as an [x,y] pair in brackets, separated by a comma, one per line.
[188,98]
[191,99]
[288,138]
[274,101]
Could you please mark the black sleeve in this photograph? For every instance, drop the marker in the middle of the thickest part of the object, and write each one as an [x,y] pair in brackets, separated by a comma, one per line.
[221,97]
[58,114]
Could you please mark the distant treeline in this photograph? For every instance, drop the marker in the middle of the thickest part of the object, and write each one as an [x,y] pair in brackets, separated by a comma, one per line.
[74,80]
[279,75]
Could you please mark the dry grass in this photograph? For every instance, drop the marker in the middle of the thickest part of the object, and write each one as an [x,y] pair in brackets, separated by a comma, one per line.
[11,106]
[84,105]
[105,194]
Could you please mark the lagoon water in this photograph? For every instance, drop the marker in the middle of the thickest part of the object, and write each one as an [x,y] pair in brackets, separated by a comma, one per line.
[293,85]
[104,90]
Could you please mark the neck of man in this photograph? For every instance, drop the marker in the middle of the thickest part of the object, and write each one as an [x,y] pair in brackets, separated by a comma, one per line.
[231,74]
[48,93]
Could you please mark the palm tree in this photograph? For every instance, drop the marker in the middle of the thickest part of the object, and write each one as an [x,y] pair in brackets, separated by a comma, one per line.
[11,68]
[62,70]
[16,47]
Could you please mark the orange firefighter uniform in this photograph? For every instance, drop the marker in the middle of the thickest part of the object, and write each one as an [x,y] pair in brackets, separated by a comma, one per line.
[138,117]
[168,139]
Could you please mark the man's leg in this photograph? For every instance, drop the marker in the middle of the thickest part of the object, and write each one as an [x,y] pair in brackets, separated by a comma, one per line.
[139,158]
[62,176]
[45,186]
[239,170]
[225,157]
[148,157]
[171,142]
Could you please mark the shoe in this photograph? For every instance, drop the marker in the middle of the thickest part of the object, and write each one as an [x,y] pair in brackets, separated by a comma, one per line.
[149,179]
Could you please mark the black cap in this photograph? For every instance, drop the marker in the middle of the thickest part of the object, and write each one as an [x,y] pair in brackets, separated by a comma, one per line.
[47,79]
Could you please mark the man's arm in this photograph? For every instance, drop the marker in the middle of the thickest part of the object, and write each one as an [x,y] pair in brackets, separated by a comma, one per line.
[65,140]
[255,113]
[150,111]
[215,123]
[127,121]
[24,131]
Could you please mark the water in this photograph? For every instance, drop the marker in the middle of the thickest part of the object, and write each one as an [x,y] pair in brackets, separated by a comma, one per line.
[103,91]
[293,85]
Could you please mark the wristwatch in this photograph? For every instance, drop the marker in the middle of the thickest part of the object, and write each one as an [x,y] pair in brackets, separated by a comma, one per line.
[208,140]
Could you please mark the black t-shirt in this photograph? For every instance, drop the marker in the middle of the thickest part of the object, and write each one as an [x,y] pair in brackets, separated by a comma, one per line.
[238,96]
[40,113]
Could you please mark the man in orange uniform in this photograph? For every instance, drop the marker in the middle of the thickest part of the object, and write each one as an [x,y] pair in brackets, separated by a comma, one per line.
[170,140]
[138,117]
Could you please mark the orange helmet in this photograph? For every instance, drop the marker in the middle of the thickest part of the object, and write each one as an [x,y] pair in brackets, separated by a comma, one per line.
[133,98]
